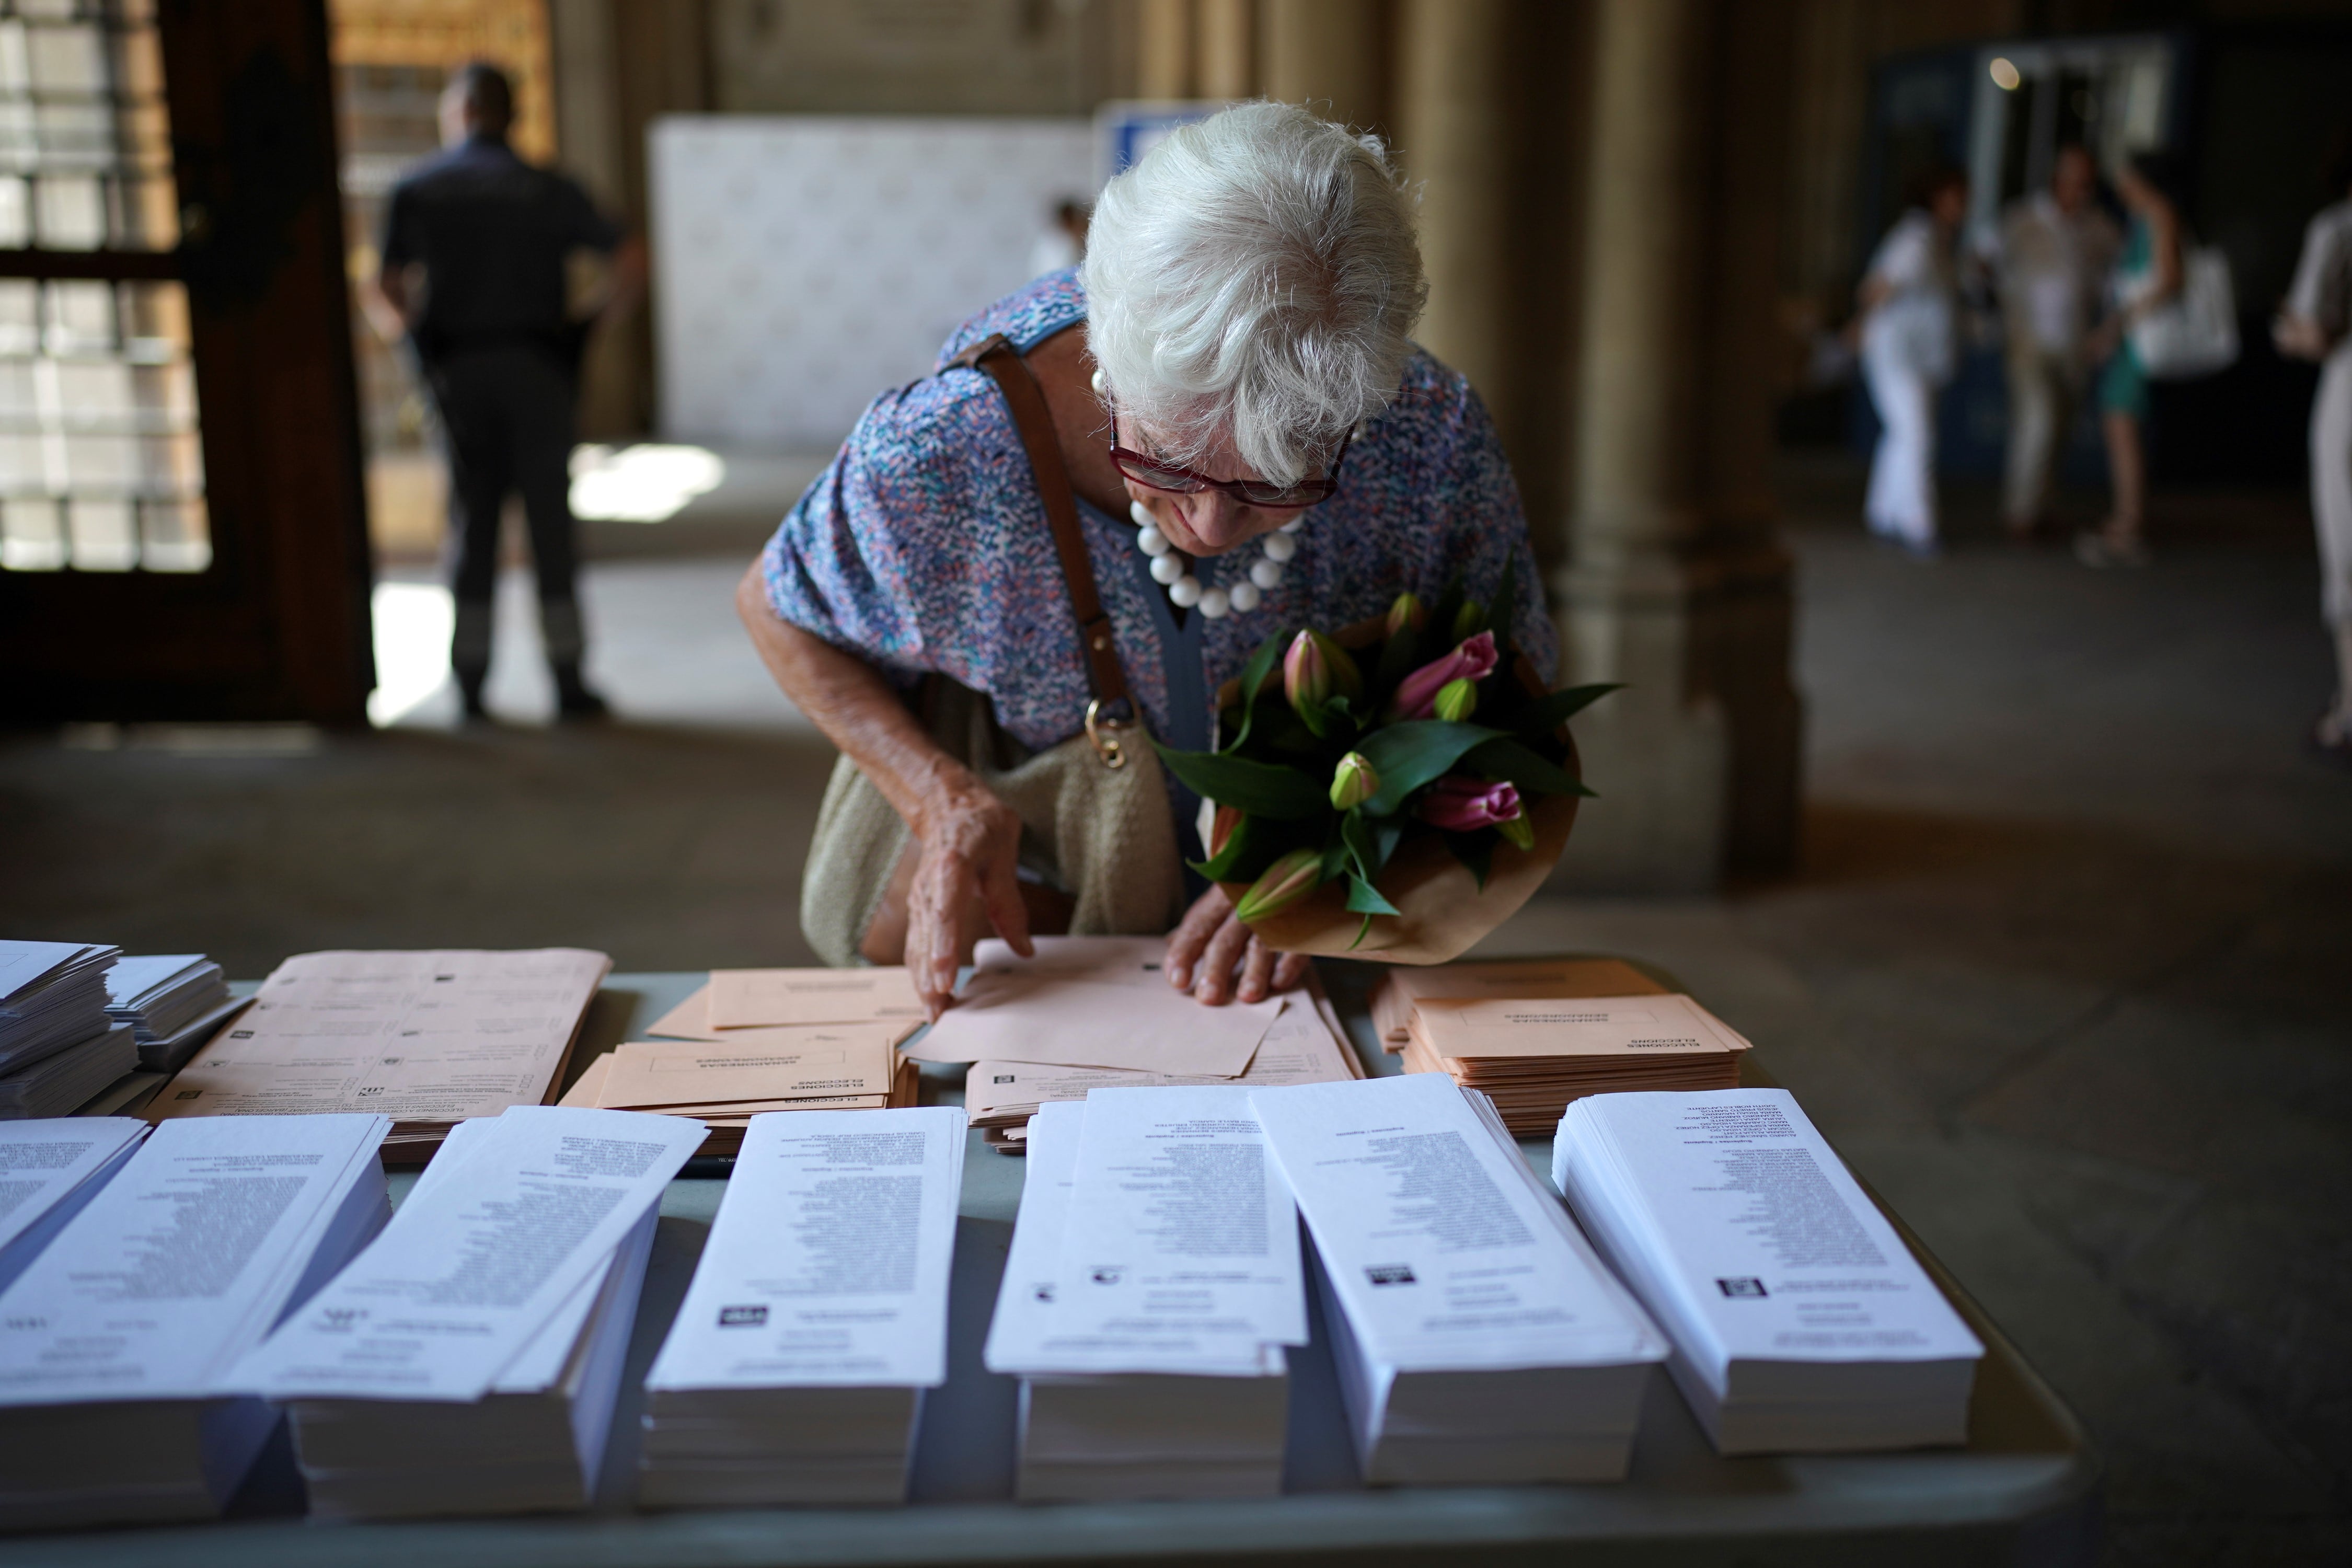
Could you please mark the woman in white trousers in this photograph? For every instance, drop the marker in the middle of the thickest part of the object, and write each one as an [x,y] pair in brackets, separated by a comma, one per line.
[2316,323]
[1907,300]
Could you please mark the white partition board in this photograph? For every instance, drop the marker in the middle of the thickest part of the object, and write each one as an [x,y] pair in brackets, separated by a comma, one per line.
[805,263]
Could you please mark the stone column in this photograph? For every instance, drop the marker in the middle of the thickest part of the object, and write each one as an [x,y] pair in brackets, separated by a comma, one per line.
[1226,40]
[1452,129]
[1674,584]
[1326,54]
[1163,47]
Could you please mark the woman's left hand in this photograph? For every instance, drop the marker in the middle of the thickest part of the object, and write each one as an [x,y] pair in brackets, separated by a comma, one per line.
[1208,945]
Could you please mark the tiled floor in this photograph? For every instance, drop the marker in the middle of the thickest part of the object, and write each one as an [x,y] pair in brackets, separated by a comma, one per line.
[2065,971]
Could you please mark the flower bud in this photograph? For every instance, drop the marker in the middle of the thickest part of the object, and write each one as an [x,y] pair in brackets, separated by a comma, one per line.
[1469,620]
[1456,701]
[1354,781]
[1462,804]
[1416,694]
[1407,614]
[1285,882]
[1316,669]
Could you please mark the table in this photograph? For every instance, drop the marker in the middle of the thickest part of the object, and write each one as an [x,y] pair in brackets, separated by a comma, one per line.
[2024,1490]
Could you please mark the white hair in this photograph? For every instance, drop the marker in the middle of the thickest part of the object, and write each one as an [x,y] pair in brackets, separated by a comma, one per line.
[1255,274]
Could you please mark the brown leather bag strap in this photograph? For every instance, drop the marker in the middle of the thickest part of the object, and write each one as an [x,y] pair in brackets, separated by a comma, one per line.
[998,357]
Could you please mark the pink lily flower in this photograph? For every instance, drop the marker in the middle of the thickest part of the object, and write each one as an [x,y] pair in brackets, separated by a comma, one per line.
[1460,804]
[1416,694]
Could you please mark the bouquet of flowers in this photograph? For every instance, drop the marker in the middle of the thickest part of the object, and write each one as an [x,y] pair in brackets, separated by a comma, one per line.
[1398,793]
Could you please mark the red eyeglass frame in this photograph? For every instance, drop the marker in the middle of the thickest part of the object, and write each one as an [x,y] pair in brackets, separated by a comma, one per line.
[1317,491]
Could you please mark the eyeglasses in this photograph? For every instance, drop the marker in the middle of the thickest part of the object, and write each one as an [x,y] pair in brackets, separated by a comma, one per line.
[1160,475]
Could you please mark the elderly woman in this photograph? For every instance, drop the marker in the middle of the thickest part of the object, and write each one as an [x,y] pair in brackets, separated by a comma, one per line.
[1255,445]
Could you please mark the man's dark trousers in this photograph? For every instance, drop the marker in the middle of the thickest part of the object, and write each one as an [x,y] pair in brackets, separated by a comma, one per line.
[507,413]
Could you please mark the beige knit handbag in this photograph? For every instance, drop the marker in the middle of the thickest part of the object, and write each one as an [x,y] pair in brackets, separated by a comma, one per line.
[1094,809]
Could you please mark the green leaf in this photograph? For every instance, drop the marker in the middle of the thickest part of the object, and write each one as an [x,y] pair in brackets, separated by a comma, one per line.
[1556,708]
[1474,850]
[1507,758]
[1417,753]
[1363,898]
[1262,664]
[1221,867]
[1261,789]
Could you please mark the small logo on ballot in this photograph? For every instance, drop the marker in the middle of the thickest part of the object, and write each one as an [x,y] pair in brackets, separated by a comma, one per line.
[1751,1287]
[1390,1273]
[742,1316]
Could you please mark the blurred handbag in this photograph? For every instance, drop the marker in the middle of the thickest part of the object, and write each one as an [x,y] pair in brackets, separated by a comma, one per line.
[2195,333]
[1098,853]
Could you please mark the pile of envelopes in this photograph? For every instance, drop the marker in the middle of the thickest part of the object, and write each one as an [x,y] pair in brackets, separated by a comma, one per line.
[1097,1012]
[1533,1035]
[754,1040]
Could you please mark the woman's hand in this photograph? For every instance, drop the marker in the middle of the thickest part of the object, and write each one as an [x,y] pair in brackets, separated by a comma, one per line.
[1207,944]
[972,844]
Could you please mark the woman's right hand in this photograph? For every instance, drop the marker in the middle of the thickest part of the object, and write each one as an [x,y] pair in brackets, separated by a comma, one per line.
[971,848]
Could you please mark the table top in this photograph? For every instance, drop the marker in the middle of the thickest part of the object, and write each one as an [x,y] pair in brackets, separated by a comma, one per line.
[2023,1488]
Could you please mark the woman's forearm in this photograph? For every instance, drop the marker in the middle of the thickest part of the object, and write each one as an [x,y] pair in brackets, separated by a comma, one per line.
[858,710]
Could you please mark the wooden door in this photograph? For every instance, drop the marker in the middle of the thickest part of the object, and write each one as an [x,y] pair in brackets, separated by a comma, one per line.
[183,531]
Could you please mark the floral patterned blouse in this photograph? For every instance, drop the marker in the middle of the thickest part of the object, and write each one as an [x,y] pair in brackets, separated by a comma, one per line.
[923,546]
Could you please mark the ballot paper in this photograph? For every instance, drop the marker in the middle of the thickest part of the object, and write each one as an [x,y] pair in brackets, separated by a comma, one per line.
[161,996]
[1401,987]
[472,1268]
[797,998]
[818,1312]
[427,1039]
[1217,1431]
[1444,1265]
[813,1063]
[1306,1045]
[1180,1251]
[52,995]
[690,1019]
[114,1341]
[63,1081]
[48,1171]
[1801,1321]
[534,1443]
[1093,1002]
[1533,1055]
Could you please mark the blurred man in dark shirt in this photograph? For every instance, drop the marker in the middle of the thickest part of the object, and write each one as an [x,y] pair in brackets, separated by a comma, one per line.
[493,331]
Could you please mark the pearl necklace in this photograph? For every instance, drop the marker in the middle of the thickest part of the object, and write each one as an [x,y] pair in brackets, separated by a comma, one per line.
[1184,590]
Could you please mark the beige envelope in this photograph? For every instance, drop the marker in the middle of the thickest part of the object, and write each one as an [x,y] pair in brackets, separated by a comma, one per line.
[1018,1016]
[1138,960]
[819,1062]
[1402,985]
[1463,1028]
[798,998]
[690,1020]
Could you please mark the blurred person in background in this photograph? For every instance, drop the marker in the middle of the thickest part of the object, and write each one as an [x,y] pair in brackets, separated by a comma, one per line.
[1253,442]
[1063,242]
[2055,250]
[2146,276]
[475,248]
[1907,306]
[2315,323]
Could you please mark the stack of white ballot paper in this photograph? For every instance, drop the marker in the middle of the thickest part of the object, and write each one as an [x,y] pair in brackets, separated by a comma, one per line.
[59,1048]
[115,1341]
[468,1361]
[795,1370]
[48,1171]
[1800,1322]
[174,1004]
[1153,1285]
[1478,1340]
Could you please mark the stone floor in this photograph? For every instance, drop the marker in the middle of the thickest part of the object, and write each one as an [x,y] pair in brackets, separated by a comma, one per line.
[2064,972]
